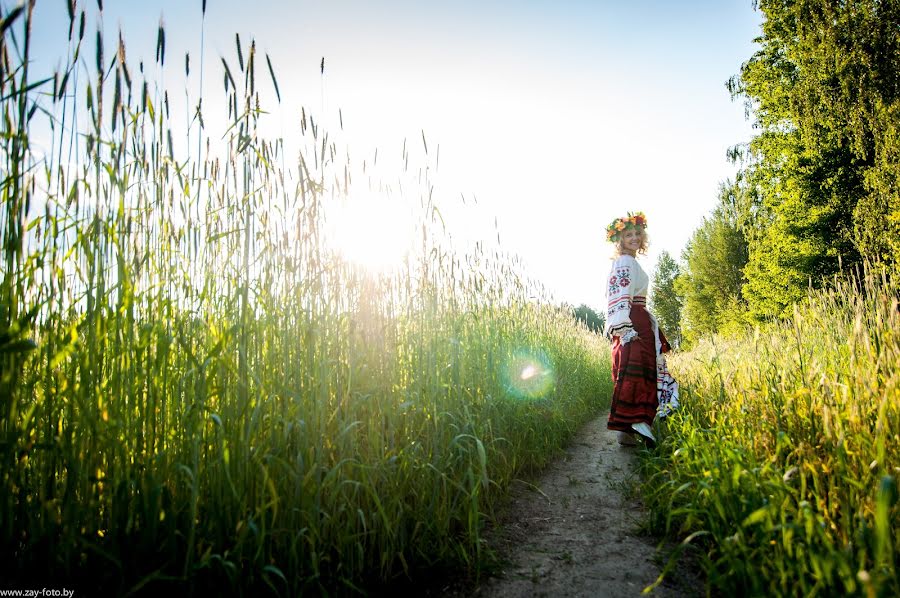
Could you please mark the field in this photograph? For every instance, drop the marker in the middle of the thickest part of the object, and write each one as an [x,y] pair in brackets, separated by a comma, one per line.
[781,470]
[199,391]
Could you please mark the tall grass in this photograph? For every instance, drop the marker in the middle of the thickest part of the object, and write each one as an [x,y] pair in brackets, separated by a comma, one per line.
[783,463]
[197,392]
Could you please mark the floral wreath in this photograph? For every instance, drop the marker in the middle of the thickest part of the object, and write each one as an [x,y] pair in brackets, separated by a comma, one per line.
[634,220]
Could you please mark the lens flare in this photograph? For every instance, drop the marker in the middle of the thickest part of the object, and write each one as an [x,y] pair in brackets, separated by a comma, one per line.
[528,374]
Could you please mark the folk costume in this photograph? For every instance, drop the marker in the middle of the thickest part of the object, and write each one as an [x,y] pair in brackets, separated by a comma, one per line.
[643,387]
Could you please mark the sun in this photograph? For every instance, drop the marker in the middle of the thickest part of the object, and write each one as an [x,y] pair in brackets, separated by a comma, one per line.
[372,231]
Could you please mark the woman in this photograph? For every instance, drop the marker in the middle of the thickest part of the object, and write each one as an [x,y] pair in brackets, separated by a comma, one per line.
[643,386]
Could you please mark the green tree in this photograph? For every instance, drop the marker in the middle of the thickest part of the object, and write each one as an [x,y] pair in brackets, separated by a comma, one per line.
[821,181]
[711,281]
[589,318]
[664,300]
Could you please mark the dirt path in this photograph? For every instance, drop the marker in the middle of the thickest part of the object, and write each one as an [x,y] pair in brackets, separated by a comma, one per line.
[575,531]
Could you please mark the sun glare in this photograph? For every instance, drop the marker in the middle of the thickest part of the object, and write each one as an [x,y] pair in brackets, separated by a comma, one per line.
[372,231]
[529,374]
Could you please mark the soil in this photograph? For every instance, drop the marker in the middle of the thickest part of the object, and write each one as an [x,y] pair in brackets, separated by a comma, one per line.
[575,530]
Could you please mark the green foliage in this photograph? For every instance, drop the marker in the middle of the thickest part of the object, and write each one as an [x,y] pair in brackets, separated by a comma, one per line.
[197,395]
[710,284]
[781,466]
[665,302]
[822,178]
[591,319]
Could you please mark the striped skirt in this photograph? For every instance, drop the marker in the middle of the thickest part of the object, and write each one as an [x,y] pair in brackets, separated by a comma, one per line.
[634,372]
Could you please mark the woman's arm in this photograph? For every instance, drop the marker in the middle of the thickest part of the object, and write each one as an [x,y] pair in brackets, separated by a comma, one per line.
[619,293]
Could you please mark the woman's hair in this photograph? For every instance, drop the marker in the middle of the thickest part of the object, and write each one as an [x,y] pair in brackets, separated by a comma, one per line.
[645,243]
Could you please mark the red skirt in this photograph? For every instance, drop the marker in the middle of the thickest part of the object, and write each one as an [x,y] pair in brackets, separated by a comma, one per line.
[634,397]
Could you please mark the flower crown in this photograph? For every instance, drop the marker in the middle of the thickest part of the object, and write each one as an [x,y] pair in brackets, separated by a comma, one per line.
[634,220]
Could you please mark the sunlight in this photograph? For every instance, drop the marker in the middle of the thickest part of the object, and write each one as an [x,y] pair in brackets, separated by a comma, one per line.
[529,372]
[371,231]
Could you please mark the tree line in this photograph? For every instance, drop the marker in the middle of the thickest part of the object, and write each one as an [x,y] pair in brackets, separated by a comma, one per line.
[817,190]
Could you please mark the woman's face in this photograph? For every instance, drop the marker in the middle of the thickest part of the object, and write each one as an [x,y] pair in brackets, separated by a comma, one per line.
[632,239]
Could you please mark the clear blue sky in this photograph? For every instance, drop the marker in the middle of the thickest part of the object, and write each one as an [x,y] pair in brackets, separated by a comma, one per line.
[557,115]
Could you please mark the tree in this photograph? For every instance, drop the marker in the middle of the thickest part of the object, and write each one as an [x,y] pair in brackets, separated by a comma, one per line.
[822,178]
[589,318]
[665,302]
[712,279]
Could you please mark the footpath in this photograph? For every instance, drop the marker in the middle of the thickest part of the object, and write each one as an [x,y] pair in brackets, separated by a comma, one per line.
[576,530]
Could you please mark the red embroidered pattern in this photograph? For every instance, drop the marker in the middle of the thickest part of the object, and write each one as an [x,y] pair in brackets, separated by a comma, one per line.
[621,279]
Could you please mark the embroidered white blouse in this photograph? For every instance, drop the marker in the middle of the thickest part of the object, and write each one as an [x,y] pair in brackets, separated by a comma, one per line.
[628,284]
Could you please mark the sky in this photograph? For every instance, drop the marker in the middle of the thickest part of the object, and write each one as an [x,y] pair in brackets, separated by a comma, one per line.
[552,117]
